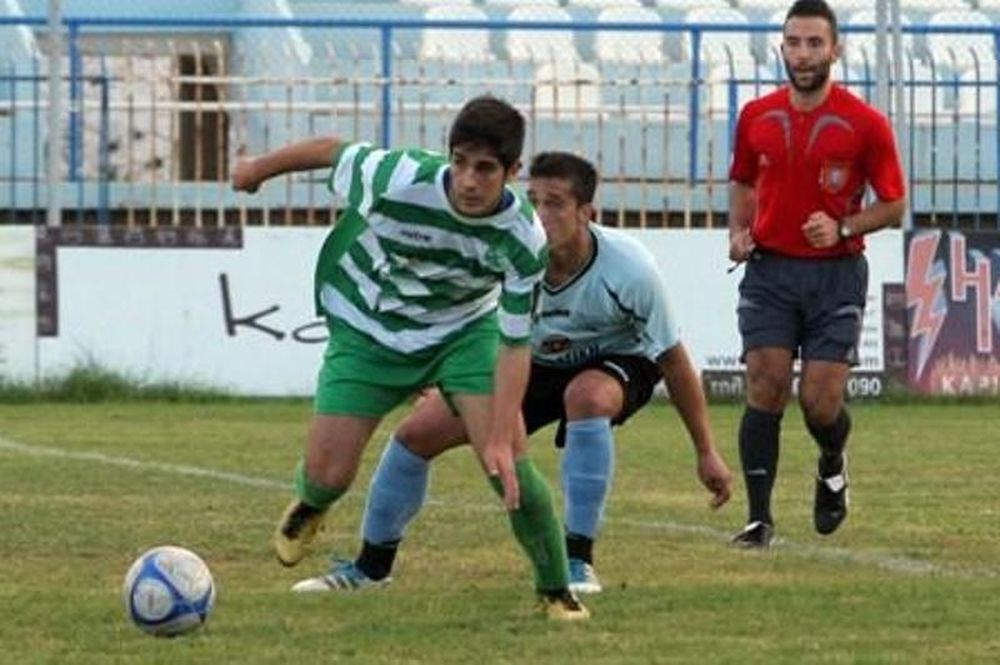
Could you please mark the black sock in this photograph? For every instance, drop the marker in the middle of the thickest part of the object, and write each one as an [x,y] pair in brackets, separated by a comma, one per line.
[831,439]
[759,431]
[376,561]
[580,547]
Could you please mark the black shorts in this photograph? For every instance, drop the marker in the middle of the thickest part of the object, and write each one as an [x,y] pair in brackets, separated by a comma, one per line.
[544,404]
[815,307]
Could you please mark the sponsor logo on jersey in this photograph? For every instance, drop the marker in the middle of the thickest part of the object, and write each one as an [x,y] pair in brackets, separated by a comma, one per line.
[414,235]
[555,344]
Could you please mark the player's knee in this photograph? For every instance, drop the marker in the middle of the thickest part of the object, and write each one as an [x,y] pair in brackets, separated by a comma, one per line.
[767,393]
[592,399]
[820,409]
[419,441]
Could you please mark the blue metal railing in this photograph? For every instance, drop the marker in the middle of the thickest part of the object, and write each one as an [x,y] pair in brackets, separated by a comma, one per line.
[77,27]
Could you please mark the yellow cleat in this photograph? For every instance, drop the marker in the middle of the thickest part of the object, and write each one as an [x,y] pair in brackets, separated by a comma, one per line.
[297,529]
[562,606]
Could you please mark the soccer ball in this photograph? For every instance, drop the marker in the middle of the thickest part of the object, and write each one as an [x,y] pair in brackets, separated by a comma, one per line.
[168,591]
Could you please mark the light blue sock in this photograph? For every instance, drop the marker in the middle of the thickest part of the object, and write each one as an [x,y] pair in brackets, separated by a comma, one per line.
[396,493]
[587,467]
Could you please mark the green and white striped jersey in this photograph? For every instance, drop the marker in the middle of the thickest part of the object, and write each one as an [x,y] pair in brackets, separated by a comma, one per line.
[403,267]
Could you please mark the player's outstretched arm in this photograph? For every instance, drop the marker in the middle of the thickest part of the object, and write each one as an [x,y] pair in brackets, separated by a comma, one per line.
[689,400]
[251,172]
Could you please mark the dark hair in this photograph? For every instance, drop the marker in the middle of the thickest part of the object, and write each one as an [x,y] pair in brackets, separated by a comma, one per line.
[814,8]
[581,174]
[490,123]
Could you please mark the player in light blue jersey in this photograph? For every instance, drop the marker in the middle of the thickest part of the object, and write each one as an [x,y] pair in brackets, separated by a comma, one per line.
[428,278]
[603,338]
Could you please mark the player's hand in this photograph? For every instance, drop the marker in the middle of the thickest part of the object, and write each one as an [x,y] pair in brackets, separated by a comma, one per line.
[498,458]
[740,245]
[821,230]
[244,176]
[715,476]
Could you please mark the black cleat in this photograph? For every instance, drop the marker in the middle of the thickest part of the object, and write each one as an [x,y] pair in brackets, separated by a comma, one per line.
[754,536]
[830,506]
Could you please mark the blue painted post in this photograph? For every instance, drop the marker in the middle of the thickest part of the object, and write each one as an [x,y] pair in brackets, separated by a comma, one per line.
[36,145]
[693,105]
[74,99]
[386,85]
[996,134]
[12,71]
[75,133]
[103,160]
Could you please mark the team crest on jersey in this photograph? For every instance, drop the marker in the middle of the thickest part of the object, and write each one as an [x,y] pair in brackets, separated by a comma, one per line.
[833,176]
[555,344]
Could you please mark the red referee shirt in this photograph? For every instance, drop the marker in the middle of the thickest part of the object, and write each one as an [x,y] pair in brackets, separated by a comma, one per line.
[802,162]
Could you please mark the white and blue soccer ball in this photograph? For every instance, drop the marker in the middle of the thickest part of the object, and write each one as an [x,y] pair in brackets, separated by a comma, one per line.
[168,591]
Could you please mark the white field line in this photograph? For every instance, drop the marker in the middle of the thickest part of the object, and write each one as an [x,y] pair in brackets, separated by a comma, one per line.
[894,564]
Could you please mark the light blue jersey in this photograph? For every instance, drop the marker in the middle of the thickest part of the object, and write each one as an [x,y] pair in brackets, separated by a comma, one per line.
[615,305]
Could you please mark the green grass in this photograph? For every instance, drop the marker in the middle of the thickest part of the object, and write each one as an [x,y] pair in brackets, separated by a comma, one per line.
[912,577]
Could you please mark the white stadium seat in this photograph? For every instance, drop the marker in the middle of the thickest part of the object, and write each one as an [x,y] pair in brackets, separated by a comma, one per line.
[455,44]
[538,45]
[629,47]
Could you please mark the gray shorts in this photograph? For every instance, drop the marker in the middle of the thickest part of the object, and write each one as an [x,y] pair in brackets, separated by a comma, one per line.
[814,307]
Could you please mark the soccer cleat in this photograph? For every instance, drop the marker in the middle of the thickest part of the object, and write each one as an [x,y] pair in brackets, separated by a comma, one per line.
[297,529]
[582,578]
[343,576]
[562,606]
[830,505]
[754,536]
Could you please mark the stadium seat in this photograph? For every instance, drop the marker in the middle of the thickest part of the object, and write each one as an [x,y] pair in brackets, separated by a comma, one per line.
[434,3]
[859,47]
[457,45]
[521,3]
[768,6]
[721,47]
[767,46]
[960,52]
[567,88]
[977,97]
[629,47]
[603,4]
[634,62]
[539,45]
[681,6]
[738,83]
[932,6]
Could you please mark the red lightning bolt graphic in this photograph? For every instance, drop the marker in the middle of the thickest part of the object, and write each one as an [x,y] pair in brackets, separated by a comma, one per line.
[925,294]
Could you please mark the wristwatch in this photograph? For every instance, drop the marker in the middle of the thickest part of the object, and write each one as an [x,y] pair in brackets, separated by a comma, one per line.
[843,230]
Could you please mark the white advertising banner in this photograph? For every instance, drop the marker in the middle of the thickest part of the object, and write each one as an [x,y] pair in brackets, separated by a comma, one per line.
[17,303]
[242,318]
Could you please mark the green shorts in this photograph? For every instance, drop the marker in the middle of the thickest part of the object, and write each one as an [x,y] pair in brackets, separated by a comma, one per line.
[360,377]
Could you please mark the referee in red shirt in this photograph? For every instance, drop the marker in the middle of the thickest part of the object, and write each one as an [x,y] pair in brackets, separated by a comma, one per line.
[803,158]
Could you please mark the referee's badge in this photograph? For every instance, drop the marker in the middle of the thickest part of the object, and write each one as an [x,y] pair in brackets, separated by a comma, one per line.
[833,176]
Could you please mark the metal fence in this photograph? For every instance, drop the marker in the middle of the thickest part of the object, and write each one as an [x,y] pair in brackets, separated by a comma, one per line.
[158,110]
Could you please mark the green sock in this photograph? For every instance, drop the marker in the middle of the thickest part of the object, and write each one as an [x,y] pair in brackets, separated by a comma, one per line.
[538,529]
[312,494]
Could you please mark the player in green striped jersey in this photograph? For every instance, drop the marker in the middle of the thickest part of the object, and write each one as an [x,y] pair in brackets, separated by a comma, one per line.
[428,278]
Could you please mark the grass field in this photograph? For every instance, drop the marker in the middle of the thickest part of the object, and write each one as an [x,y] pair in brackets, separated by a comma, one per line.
[912,577]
